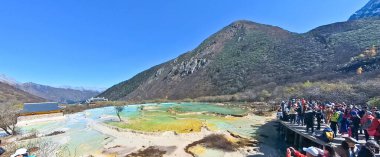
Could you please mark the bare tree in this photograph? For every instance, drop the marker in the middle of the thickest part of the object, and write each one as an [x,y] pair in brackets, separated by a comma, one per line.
[8,117]
[118,110]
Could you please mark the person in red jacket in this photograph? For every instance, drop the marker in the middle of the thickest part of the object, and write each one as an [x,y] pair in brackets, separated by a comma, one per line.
[366,122]
[372,130]
[310,152]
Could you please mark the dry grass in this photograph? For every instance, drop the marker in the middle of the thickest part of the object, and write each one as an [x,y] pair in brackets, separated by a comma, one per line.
[55,133]
[31,135]
[214,141]
[148,152]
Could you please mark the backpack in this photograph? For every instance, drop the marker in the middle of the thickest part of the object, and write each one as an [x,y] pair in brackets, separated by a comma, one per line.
[327,135]
[367,124]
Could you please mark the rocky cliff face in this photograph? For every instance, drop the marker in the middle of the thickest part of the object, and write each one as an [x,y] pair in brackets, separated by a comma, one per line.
[368,61]
[371,10]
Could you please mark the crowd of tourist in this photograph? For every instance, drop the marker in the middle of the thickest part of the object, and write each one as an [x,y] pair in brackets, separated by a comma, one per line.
[341,120]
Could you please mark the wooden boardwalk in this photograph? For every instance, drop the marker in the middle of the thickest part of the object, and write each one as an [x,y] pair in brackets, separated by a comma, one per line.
[296,135]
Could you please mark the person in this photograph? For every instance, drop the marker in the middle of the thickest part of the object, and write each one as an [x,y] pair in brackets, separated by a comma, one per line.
[366,122]
[329,152]
[284,109]
[344,124]
[22,152]
[319,116]
[286,113]
[334,121]
[355,125]
[326,152]
[361,115]
[300,114]
[310,152]
[328,113]
[353,149]
[292,114]
[374,109]
[279,114]
[343,150]
[309,119]
[373,128]
[369,149]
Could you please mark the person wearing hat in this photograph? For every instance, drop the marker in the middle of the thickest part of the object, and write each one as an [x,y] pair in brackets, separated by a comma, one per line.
[310,152]
[22,152]
[353,149]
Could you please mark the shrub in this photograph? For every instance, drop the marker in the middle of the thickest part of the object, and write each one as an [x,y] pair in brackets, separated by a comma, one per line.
[375,102]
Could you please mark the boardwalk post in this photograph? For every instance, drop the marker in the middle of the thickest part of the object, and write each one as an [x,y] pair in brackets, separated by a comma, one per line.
[300,143]
[295,140]
[282,131]
[286,135]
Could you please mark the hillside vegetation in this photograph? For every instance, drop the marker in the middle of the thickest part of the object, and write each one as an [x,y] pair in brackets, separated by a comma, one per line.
[248,61]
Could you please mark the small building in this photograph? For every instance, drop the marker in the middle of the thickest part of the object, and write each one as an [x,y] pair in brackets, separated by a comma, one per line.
[97,99]
[41,108]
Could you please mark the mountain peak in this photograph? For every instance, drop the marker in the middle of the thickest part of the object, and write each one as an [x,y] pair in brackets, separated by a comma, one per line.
[370,10]
[243,22]
[8,80]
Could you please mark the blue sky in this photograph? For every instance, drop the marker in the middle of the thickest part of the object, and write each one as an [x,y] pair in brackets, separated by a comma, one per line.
[98,43]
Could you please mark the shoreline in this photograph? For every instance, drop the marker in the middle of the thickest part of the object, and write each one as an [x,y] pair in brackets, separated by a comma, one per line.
[27,120]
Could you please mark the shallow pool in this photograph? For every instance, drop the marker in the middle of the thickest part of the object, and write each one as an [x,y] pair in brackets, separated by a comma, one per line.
[178,117]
